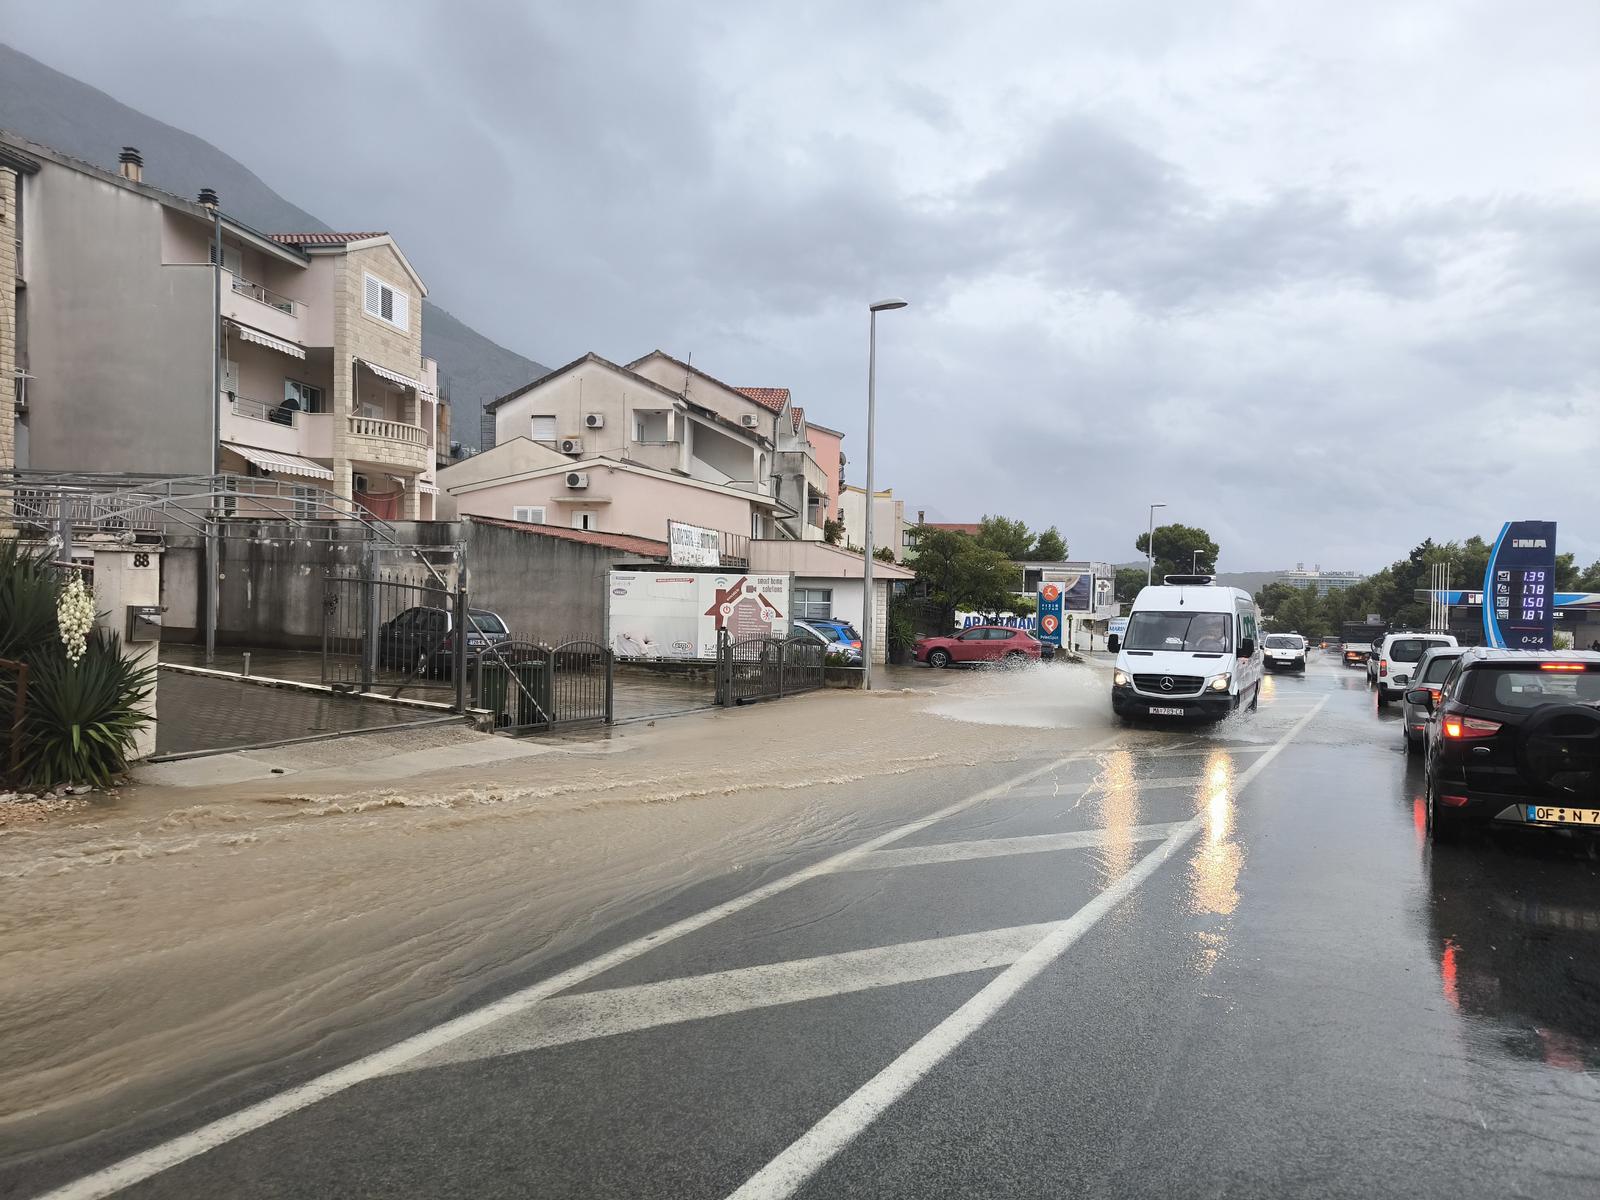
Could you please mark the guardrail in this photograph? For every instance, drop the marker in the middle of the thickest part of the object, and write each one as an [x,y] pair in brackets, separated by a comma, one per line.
[265,295]
[260,410]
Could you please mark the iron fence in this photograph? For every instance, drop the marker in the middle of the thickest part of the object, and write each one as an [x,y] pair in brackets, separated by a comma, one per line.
[767,668]
[529,686]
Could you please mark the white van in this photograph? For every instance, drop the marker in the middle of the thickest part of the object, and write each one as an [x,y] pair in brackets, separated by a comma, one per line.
[1192,649]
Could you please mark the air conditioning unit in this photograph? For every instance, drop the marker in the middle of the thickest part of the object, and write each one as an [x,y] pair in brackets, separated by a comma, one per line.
[577,479]
[594,421]
[750,420]
[572,445]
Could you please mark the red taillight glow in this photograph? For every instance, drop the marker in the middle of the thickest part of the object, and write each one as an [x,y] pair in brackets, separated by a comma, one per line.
[1454,801]
[1467,728]
[1434,693]
[1562,667]
[857,645]
[1383,667]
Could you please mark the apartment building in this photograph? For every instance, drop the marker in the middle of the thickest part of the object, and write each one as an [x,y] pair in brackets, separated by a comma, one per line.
[13,379]
[889,529]
[161,335]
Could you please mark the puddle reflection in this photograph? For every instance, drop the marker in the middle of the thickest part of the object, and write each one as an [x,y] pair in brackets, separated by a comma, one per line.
[1214,871]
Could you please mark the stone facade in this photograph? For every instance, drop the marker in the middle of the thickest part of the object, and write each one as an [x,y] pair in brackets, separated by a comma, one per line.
[357,334]
[8,313]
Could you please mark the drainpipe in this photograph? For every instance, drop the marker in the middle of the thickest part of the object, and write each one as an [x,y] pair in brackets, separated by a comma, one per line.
[208,198]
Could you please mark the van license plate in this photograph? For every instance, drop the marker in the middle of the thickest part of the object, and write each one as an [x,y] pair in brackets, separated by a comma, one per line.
[1165,712]
[1563,816]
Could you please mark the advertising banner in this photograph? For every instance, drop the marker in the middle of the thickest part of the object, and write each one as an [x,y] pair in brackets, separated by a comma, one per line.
[693,545]
[662,615]
[1050,599]
[1077,593]
[1519,587]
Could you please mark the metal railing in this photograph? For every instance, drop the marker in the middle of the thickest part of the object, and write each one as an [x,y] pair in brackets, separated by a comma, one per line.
[767,668]
[260,410]
[265,295]
[529,685]
[392,431]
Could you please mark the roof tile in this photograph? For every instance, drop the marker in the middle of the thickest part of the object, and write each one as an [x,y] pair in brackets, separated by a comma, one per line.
[626,542]
[324,239]
[772,399]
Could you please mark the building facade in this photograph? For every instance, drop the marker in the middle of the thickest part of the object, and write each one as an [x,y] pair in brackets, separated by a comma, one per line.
[163,336]
[13,376]
[889,528]
[1318,580]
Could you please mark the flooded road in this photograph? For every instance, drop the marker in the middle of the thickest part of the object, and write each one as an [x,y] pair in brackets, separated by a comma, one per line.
[968,939]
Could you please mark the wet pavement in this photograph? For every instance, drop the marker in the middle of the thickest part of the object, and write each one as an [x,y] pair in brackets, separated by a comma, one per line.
[1152,962]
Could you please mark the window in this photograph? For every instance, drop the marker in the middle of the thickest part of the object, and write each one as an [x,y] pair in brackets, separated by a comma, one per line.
[387,304]
[229,500]
[1205,633]
[1411,649]
[813,604]
[232,259]
[544,429]
[531,514]
[1439,666]
[230,376]
[302,397]
[305,503]
[585,518]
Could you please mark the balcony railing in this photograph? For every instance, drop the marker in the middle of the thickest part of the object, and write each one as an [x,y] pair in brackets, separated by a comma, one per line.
[265,295]
[392,431]
[258,410]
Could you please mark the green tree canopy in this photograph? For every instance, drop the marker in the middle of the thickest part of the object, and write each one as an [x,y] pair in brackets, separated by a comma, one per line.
[1175,547]
[960,573]
[1049,547]
[1129,581]
[1008,537]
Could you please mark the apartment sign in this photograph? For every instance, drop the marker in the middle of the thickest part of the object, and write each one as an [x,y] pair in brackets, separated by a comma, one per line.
[693,545]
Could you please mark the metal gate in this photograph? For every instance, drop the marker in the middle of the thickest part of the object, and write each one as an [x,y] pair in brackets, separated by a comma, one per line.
[767,668]
[529,686]
[383,633]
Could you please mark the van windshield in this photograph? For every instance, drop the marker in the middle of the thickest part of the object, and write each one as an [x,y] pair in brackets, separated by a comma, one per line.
[1201,632]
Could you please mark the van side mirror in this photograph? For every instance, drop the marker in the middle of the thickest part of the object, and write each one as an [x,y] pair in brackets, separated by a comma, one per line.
[1420,696]
[1113,643]
[1247,647]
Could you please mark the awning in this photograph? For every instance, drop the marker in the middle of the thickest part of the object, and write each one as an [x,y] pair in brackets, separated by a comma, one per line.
[267,340]
[391,376]
[287,464]
[426,488]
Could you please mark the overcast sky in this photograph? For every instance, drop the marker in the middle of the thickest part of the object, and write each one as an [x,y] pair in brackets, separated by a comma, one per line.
[1325,278]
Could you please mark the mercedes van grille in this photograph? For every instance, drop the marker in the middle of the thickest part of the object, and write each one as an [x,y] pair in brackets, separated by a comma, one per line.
[1169,685]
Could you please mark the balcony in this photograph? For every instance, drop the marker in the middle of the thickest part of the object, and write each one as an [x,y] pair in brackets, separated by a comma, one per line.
[389,443]
[251,422]
[261,308]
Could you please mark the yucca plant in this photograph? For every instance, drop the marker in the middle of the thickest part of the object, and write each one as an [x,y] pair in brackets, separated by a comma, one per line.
[29,587]
[81,720]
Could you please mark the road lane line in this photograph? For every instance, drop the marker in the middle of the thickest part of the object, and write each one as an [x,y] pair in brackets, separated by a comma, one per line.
[808,1154]
[580,1016]
[1041,843]
[136,1167]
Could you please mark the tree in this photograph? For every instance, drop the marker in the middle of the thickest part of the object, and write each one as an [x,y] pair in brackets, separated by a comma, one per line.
[1129,581]
[883,554]
[1049,547]
[958,573]
[833,531]
[1008,537]
[1175,550]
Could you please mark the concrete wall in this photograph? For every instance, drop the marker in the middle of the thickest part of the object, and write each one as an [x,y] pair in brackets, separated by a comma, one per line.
[545,587]
[512,457]
[8,313]
[708,393]
[826,447]
[888,519]
[120,345]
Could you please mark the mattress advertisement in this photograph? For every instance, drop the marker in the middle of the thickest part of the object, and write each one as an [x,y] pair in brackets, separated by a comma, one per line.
[667,615]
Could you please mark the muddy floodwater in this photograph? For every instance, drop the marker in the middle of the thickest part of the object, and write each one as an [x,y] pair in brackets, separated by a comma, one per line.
[160,949]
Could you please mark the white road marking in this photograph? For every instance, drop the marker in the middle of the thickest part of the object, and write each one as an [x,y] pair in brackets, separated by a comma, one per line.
[146,1163]
[580,1016]
[790,1171]
[1042,843]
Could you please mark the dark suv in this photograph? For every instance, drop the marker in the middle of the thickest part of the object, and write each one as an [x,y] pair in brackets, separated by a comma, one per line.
[1514,740]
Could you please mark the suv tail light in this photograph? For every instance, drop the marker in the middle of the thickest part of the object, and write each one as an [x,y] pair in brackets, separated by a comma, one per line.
[1434,694]
[1383,667]
[1467,728]
[1562,667]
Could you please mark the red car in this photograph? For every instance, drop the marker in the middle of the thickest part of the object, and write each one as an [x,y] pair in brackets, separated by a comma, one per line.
[980,643]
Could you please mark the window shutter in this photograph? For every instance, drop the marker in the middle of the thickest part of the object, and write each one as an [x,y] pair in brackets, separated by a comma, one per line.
[402,309]
[531,514]
[544,429]
[374,300]
[230,375]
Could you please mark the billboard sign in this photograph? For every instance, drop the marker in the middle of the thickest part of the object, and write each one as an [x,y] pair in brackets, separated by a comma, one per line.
[1519,587]
[693,545]
[1050,601]
[662,615]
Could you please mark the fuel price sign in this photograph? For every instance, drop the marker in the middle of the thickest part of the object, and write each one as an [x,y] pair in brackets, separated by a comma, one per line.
[1519,587]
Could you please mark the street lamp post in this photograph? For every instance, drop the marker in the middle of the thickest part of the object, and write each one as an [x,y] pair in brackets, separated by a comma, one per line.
[1150,546]
[868,607]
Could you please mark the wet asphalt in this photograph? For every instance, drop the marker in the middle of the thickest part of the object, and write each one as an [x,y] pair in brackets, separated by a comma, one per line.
[1299,997]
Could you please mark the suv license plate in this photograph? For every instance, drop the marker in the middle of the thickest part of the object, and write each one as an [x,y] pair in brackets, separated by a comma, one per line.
[1165,712]
[1562,816]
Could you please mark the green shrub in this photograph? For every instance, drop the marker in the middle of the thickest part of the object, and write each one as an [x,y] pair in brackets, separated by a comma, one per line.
[80,721]
[29,586]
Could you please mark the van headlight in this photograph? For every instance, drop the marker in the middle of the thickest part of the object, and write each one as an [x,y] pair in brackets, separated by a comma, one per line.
[1221,682]
[1120,678]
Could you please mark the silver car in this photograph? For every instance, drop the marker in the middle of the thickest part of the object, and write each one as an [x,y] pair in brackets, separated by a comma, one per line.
[1430,671]
[833,644]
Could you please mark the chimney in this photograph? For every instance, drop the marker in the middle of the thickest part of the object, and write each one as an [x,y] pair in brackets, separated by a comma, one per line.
[208,198]
[922,516]
[132,167]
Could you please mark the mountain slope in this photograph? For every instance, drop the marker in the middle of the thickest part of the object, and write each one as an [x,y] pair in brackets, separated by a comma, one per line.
[47,106]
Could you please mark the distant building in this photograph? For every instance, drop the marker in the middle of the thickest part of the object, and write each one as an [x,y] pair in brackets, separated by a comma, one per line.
[1319,581]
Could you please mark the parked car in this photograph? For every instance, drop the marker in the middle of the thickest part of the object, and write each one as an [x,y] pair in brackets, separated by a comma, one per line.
[827,632]
[980,643]
[1430,672]
[1284,651]
[422,639]
[1514,742]
[842,631]
[1396,658]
